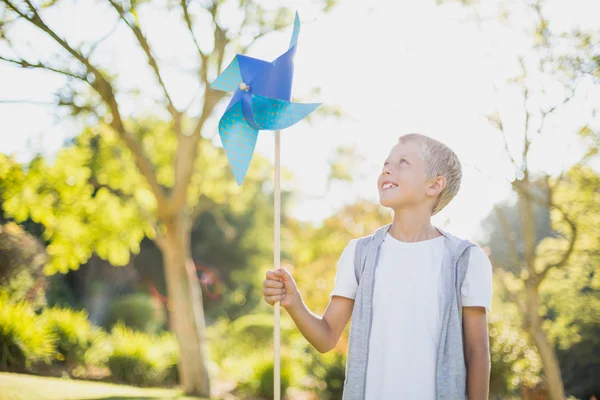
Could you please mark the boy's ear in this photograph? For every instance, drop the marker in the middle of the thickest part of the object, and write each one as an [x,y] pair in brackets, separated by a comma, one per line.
[437,186]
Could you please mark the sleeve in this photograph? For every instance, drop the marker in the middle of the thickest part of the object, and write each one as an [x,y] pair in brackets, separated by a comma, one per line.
[345,279]
[476,290]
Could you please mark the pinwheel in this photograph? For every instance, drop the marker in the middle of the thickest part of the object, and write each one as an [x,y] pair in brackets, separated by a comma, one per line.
[261,101]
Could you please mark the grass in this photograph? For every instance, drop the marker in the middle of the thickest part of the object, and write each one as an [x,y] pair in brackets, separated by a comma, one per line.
[29,387]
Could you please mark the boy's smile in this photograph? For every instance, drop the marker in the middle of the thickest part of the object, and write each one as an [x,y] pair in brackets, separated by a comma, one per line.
[388,185]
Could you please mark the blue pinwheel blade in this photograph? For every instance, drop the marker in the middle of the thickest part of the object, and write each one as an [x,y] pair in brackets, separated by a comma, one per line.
[230,78]
[251,67]
[276,82]
[239,141]
[241,69]
[296,31]
[275,114]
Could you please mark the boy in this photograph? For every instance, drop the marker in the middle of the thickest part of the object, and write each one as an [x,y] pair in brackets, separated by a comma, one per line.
[417,296]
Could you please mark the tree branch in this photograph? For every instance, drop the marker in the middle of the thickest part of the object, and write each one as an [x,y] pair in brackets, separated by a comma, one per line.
[220,41]
[26,64]
[567,253]
[513,296]
[106,92]
[137,31]
[496,122]
[549,203]
[188,22]
[187,147]
[187,151]
[554,108]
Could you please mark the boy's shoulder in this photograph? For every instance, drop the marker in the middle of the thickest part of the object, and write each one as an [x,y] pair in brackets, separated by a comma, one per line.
[461,245]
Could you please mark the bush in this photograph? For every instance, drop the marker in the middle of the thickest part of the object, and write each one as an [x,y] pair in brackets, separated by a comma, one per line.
[334,375]
[24,341]
[329,370]
[76,337]
[140,312]
[261,380]
[142,359]
[22,259]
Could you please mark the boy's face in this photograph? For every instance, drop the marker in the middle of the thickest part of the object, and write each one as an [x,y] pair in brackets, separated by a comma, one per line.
[403,183]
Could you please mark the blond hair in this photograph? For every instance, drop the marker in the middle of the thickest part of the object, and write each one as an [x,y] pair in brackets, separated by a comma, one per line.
[440,160]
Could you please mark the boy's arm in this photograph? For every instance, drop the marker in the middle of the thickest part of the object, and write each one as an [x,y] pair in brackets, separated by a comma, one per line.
[477,353]
[322,332]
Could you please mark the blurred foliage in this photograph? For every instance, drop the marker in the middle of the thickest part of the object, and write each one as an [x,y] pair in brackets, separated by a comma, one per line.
[569,296]
[260,383]
[141,359]
[22,258]
[514,360]
[77,340]
[330,371]
[139,311]
[24,341]
[344,164]
[77,219]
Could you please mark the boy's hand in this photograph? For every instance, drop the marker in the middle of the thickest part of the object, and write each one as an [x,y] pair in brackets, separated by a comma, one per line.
[280,286]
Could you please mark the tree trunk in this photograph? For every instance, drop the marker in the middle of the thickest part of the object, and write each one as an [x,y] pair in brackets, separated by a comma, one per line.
[552,373]
[534,323]
[186,312]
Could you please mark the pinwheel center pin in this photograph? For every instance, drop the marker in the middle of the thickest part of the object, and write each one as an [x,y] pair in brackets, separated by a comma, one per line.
[245,87]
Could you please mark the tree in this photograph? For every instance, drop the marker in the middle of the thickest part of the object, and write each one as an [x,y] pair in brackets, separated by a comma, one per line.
[548,81]
[158,201]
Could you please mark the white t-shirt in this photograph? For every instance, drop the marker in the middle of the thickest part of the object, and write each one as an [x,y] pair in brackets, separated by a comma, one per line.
[407,313]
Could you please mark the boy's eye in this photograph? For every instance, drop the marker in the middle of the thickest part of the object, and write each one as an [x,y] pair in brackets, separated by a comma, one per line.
[403,161]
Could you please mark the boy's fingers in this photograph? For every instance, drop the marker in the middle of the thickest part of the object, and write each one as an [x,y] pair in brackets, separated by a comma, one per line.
[272,275]
[272,283]
[273,291]
[282,273]
[273,299]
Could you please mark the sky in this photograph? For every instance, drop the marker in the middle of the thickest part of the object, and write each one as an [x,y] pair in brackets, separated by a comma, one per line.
[391,67]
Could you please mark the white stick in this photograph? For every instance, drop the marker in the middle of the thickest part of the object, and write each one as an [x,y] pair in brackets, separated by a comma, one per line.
[277,262]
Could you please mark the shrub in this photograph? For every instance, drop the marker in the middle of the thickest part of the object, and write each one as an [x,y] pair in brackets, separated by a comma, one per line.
[329,371]
[142,359]
[24,341]
[260,382]
[22,259]
[76,337]
[335,370]
[140,312]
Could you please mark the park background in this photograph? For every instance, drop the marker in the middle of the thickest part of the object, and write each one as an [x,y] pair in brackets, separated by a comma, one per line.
[113,181]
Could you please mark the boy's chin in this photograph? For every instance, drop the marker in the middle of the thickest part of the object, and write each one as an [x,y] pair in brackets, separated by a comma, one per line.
[389,203]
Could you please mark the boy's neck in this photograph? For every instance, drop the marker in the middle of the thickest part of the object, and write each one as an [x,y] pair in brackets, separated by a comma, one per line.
[413,226]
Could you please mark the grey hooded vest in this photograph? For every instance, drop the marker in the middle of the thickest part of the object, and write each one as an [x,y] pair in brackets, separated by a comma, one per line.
[451,372]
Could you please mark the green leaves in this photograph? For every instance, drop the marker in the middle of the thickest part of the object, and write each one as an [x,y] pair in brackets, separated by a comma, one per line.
[80,215]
